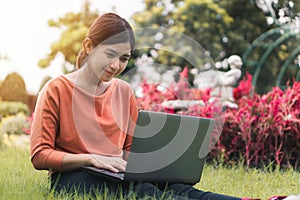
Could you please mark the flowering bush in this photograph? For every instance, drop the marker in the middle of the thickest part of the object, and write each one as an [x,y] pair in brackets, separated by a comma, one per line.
[14,124]
[8,108]
[11,127]
[153,97]
[263,129]
[27,128]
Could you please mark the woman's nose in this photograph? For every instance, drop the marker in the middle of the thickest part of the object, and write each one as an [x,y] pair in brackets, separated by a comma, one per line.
[115,64]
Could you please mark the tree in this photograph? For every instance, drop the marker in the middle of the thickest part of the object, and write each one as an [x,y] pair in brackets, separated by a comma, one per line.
[13,88]
[249,22]
[268,56]
[185,27]
[0,89]
[222,27]
[74,27]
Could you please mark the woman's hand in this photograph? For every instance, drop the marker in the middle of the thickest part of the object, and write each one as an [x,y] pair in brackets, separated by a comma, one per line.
[114,164]
[74,161]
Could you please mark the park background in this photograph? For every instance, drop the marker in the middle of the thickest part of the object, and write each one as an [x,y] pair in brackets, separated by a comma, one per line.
[262,132]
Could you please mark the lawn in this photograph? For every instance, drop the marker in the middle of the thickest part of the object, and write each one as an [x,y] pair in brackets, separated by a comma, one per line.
[19,180]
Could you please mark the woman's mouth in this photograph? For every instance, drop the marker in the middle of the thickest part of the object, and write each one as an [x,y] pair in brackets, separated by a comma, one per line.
[111,73]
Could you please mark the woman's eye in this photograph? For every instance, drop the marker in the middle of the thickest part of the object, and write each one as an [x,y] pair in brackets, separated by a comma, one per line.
[110,55]
[124,59]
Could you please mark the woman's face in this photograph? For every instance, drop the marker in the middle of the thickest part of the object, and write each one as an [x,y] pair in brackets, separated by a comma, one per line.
[109,60]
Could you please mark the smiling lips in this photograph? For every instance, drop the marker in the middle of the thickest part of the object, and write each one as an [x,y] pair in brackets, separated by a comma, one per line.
[111,73]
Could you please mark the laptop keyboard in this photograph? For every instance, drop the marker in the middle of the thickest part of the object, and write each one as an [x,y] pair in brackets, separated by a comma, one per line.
[119,175]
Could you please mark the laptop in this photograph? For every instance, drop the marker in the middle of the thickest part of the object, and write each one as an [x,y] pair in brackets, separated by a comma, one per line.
[165,148]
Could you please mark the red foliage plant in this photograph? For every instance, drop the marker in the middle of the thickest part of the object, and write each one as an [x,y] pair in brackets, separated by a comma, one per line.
[263,129]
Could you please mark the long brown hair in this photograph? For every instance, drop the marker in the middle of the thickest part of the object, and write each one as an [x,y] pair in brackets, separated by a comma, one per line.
[108,28]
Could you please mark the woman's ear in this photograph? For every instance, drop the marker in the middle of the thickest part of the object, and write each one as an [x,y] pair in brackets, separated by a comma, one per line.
[87,45]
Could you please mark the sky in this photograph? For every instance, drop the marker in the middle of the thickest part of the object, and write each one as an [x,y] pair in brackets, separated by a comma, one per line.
[25,36]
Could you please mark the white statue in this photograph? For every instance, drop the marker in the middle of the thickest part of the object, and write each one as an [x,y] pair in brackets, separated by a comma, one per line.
[224,83]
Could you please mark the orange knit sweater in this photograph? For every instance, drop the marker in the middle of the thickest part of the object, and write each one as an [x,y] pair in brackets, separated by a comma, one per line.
[69,120]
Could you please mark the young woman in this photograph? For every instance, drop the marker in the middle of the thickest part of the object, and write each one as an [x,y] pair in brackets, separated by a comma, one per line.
[87,117]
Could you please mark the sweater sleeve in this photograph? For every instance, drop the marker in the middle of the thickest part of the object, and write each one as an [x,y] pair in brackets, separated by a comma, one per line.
[43,131]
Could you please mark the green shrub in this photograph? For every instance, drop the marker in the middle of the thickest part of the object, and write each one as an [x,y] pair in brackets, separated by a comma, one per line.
[8,108]
[13,88]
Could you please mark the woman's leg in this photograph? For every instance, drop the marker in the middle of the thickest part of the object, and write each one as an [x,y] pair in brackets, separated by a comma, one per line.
[182,190]
[142,190]
[82,182]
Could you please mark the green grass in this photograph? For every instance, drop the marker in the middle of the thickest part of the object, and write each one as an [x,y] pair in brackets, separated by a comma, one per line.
[18,180]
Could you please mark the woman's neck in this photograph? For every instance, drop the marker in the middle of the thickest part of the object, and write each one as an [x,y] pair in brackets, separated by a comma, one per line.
[88,81]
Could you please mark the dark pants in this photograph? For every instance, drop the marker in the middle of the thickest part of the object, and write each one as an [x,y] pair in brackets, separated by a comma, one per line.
[82,182]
